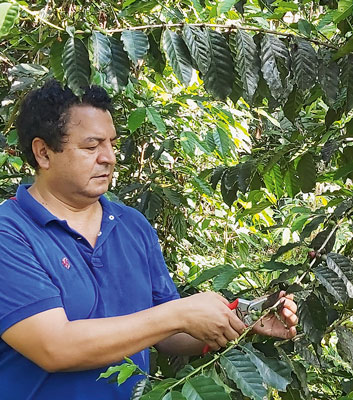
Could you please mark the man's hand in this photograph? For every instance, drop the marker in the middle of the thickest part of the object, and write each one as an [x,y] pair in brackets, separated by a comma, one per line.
[284,327]
[207,317]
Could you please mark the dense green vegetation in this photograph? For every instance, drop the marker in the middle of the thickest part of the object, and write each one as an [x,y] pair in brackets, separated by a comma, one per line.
[235,130]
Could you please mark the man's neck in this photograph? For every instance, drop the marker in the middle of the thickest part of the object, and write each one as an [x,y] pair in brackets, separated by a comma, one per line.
[66,209]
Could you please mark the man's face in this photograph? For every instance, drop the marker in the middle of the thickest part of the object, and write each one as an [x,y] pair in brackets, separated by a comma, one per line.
[85,167]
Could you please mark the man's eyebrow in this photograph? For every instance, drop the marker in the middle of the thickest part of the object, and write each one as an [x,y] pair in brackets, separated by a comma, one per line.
[98,139]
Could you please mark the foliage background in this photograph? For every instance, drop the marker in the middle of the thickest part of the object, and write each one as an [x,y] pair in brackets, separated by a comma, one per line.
[235,131]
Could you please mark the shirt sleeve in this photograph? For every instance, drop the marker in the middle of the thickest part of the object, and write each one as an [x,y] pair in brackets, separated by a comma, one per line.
[163,287]
[25,287]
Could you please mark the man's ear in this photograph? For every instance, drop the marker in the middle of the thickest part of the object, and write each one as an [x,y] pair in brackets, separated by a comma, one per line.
[40,151]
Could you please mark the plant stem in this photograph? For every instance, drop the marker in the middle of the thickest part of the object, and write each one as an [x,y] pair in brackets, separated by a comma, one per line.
[222,26]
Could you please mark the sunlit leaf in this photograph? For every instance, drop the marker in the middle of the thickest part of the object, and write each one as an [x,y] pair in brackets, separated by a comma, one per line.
[135,44]
[136,118]
[345,343]
[156,119]
[56,53]
[221,71]
[275,373]
[274,64]
[76,65]
[99,49]
[240,369]
[8,15]
[197,42]
[332,282]
[343,267]
[247,60]
[305,63]
[178,55]
[312,317]
[306,170]
[203,388]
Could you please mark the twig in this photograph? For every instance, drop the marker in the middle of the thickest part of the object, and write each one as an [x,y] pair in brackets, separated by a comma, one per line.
[222,26]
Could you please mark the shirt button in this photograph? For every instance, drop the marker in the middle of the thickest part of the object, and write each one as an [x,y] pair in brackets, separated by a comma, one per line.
[99,233]
[111,217]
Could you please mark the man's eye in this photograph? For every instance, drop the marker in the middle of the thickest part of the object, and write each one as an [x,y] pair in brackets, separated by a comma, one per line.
[91,148]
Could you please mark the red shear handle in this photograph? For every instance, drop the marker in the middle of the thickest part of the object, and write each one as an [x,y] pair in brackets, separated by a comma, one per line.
[232,306]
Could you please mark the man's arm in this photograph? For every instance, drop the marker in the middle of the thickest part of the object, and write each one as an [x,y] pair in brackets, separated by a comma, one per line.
[56,344]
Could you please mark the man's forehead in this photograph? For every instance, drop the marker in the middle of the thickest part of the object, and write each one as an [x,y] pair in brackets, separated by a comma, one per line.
[88,121]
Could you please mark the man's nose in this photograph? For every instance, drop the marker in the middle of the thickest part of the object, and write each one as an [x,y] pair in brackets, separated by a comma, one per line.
[107,155]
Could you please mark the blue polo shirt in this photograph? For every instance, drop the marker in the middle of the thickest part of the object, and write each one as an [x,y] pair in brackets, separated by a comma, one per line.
[45,264]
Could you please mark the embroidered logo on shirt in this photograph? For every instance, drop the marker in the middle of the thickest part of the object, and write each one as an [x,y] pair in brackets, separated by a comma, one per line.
[66,263]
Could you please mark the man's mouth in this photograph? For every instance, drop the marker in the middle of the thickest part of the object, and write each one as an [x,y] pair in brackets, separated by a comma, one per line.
[102,176]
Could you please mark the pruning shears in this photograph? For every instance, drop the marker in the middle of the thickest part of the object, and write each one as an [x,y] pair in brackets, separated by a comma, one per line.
[249,311]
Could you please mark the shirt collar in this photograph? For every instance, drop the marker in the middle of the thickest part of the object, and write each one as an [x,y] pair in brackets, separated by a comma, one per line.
[43,216]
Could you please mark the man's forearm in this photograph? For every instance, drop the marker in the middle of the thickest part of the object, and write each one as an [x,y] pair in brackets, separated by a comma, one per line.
[86,344]
[181,344]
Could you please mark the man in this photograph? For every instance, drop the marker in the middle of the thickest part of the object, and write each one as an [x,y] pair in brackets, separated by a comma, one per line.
[83,282]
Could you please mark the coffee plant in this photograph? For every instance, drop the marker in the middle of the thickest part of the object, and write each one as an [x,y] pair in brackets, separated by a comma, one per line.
[235,132]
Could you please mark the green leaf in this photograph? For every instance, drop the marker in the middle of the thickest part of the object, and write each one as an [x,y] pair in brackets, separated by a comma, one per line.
[197,42]
[305,64]
[247,61]
[275,373]
[344,50]
[178,55]
[76,65]
[159,389]
[344,343]
[347,80]
[284,249]
[156,119]
[117,72]
[56,55]
[8,15]
[135,44]
[274,181]
[203,388]
[291,181]
[209,274]
[343,171]
[202,186]
[174,396]
[344,10]
[136,119]
[125,373]
[312,317]
[343,267]
[244,374]
[140,388]
[154,206]
[329,80]
[99,50]
[225,5]
[331,282]
[223,279]
[15,162]
[221,71]
[173,196]
[294,103]
[306,170]
[312,226]
[274,60]
[222,141]
[179,225]
[216,176]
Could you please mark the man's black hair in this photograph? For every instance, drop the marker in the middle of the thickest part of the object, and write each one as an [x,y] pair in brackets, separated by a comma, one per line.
[44,113]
